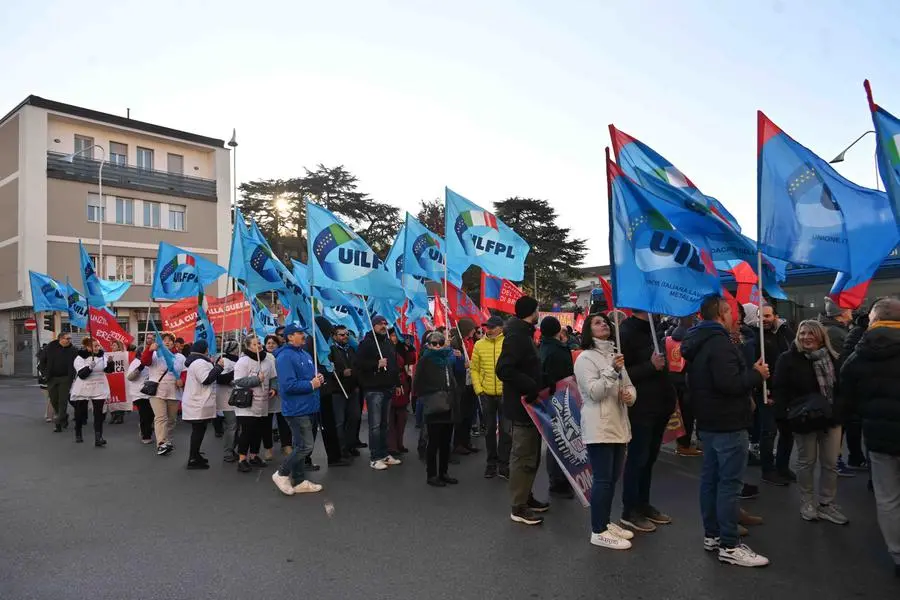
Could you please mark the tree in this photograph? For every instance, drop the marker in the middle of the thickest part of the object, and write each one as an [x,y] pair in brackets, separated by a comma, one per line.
[554,253]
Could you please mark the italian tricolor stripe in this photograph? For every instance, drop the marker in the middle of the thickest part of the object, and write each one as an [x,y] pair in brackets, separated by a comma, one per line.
[337,232]
[479,218]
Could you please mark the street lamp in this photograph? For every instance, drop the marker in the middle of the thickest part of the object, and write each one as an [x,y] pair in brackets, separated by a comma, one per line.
[840,157]
[70,158]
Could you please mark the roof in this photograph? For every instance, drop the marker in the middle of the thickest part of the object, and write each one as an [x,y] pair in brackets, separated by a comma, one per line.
[96,115]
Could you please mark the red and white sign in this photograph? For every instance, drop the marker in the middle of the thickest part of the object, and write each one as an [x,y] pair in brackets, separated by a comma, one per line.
[106,330]
[225,314]
[116,380]
[30,324]
[573,297]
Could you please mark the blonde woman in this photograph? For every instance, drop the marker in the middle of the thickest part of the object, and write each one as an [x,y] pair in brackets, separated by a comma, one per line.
[90,386]
[254,372]
[805,385]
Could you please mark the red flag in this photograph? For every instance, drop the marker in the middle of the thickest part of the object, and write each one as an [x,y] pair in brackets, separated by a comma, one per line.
[440,314]
[106,330]
[579,323]
[461,306]
[610,303]
[732,302]
[846,294]
[499,294]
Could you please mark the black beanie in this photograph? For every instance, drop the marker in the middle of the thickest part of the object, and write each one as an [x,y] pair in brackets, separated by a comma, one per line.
[199,346]
[526,306]
[550,327]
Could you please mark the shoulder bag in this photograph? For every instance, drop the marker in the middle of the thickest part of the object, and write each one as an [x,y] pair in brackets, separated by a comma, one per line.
[438,402]
[242,397]
[150,387]
[810,413]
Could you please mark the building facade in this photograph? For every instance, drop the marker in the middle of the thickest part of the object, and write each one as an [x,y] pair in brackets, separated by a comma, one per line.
[158,184]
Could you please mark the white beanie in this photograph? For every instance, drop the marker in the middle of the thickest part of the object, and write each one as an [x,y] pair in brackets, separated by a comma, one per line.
[752,312]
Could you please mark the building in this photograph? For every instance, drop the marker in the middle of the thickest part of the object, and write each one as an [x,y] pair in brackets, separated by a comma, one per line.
[158,184]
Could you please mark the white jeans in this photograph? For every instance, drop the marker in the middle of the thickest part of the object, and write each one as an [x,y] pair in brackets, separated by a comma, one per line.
[824,447]
[886,479]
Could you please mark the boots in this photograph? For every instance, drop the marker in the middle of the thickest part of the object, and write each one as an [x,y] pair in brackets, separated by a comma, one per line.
[78,438]
[98,439]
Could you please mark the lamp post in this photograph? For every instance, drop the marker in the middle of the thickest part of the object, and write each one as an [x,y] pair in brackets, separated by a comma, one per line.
[71,158]
[840,156]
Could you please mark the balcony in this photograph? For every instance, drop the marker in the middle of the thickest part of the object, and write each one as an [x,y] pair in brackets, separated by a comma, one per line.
[131,178]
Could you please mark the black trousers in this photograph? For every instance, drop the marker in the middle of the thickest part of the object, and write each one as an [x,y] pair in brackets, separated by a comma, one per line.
[438,450]
[462,435]
[687,415]
[251,433]
[81,414]
[330,436]
[284,432]
[198,431]
[145,415]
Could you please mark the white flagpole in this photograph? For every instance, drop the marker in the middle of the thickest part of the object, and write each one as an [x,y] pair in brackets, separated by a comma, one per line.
[372,326]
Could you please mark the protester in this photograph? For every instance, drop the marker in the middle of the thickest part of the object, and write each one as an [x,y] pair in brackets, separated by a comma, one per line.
[675,364]
[341,385]
[606,392]
[856,459]
[720,383]
[804,387]
[299,384]
[58,361]
[436,386]
[870,382]
[326,417]
[379,376]
[519,368]
[165,402]
[252,371]
[462,340]
[489,389]
[556,364]
[135,376]
[397,415]
[778,339]
[649,419]
[198,405]
[90,385]
[224,385]
[272,342]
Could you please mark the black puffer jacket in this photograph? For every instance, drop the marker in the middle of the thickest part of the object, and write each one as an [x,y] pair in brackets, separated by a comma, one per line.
[870,383]
[718,378]
[58,360]
[370,377]
[656,392]
[556,361]
[519,368]
[794,378]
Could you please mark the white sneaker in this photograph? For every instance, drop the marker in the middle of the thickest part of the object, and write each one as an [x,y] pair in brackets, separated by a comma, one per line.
[742,556]
[307,487]
[808,512]
[710,544]
[619,532]
[391,461]
[608,540]
[283,483]
[378,465]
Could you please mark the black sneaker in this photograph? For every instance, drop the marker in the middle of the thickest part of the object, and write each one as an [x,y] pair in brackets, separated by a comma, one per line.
[57,429]
[360,445]
[637,522]
[244,466]
[490,471]
[774,478]
[197,464]
[748,492]
[447,479]
[164,449]
[524,515]
[256,461]
[503,473]
[353,452]
[435,482]
[789,475]
[537,506]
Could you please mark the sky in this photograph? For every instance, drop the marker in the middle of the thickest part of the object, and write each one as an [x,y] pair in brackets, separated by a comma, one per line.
[493,99]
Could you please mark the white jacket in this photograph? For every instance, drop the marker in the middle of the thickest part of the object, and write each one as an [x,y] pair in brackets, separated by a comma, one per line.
[604,417]
[223,392]
[250,367]
[134,380]
[95,387]
[166,389]
[199,399]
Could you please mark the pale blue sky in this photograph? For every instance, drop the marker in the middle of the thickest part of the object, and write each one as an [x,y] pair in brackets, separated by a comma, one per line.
[493,99]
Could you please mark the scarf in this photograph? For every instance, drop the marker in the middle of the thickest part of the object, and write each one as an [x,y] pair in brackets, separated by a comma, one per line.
[890,324]
[824,369]
[440,357]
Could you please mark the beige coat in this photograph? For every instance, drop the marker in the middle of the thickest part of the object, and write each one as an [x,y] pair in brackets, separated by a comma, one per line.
[604,416]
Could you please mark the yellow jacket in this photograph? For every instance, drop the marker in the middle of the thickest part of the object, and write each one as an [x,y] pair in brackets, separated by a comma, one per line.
[483,366]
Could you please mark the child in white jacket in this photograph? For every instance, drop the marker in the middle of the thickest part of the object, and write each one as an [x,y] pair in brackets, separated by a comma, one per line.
[90,385]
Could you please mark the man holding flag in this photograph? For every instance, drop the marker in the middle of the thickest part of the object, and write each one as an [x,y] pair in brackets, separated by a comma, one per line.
[379,377]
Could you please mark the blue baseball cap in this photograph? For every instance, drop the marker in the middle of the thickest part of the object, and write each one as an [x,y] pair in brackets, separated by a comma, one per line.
[293,328]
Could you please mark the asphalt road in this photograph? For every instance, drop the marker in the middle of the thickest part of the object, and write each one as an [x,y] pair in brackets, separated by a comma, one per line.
[120,523]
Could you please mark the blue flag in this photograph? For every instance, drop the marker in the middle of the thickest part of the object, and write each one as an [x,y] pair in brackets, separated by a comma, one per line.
[264,322]
[163,352]
[340,259]
[413,285]
[99,292]
[424,253]
[655,268]
[252,261]
[203,329]
[76,306]
[887,151]
[475,236]
[47,294]
[809,215]
[181,274]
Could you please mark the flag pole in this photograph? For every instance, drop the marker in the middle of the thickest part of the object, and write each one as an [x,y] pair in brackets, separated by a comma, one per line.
[372,325]
[612,256]
[762,340]
[653,333]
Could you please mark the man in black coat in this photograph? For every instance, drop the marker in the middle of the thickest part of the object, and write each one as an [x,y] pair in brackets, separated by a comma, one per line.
[870,384]
[340,386]
[721,383]
[556,364]
[649,417]
[778,337]
[519,368]
[379,376]
[58,364]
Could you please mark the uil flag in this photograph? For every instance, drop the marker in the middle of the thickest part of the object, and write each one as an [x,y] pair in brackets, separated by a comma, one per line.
[398,262]
[326,296]
[499,294]
[252,261]
[340,259]
[887,132]
[76,306]
[655,268]
[475,236]
[99,292]
[264,322]
[181,274]
[203,329]
[47,294]
[424,253]
[809,215]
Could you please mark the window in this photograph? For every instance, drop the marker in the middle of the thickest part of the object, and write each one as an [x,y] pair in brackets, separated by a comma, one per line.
[176,217]
[149,270]
[94,258]
[124,268]
[84,146]
[95,209]
[151,214]
[124,211]
[176,164]
[144,158]
[118,153]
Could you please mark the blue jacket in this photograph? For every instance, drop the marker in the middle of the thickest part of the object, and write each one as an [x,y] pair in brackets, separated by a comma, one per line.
[295,371]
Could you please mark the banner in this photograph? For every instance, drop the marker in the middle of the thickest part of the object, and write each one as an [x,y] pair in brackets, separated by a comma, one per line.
[558,418]
[565,318]
[226,314]
[106,329]
[116,380]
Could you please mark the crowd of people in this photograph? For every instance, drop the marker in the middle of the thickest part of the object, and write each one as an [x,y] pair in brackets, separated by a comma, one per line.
[745,398]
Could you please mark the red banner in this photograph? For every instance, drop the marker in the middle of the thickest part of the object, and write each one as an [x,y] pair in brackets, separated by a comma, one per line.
[499,294]
[106,330]
[225,314]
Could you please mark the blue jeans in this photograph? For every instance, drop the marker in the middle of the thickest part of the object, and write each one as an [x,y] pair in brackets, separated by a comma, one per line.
[643,450]
[724,463]
[378,403]
[302,433]
[606,463]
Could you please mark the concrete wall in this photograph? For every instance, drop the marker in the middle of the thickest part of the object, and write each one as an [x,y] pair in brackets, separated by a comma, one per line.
[9,209]
[9,147]
[9,272]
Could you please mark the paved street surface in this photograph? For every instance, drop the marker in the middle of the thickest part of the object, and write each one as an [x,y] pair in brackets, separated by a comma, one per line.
[120,523]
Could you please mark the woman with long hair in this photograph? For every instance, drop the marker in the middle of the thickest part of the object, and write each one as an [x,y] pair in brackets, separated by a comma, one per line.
[436,386]
[606,392]
[90,385]
[272,343]
[252,371]
[805,385]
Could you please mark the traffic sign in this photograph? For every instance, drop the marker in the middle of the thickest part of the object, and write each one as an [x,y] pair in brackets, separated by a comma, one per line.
[30,324]
[573,297]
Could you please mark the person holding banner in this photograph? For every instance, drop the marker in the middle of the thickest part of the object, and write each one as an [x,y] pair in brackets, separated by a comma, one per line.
[165,402]
[90,385]
[607,392]
[198,405]
[135,376]
[379,376]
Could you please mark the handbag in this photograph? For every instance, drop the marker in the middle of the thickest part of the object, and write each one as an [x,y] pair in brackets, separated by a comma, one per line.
[812,412]
[150,387]
[240,397]
[438,402]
